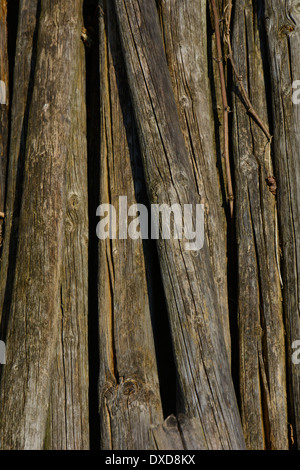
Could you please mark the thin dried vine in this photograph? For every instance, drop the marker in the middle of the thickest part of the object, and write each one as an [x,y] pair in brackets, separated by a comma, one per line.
[227,20]
[226,108]
[239,78]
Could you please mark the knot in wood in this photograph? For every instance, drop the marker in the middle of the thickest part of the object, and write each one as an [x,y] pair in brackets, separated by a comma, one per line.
[286,29]
[271,182]
[109,392]
[184,101]
[130,387]
[73,202]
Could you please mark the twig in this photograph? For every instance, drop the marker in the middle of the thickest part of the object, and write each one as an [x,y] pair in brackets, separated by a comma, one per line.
[251,110]
[226,108]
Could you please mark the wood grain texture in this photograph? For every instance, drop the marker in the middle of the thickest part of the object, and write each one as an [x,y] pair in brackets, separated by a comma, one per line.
[260,318]
[22,92]
[180,433]
[128,383]
[35,310]
[282,22]
[184,28]
[198,339]
[68,419]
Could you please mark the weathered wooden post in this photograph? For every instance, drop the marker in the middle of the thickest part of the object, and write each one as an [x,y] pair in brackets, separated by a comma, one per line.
[35,310]
[128,382]
[197,332]
[282,22]
[260,317]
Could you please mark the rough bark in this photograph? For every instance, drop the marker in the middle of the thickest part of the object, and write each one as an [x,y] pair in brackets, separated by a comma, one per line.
[128,387]
[197,333]
[35,309]
[260,317]
[283,32]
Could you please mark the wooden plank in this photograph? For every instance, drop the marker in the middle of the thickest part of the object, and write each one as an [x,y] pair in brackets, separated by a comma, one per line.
[260,317]
[35,310]
[128,381]
[283,32]
[197,333]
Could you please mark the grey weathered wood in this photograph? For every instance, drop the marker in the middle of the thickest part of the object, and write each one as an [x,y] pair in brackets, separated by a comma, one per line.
[282,21]
[167,435]
[197,332]
[128,382]
[44,272]
[180,433]
[69,408]
[260,317]
[191,432]
[4,103]
[184,28]
[35,309]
